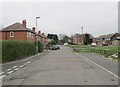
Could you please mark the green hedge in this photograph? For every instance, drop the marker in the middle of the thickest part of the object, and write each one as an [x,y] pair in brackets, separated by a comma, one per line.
[13,50]
[40,46]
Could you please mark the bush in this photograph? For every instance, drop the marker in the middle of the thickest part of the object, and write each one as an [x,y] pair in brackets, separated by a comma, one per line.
[40,46]
[13,50]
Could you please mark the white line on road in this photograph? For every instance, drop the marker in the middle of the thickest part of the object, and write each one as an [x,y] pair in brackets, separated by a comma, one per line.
[2,76]
[21,66]
[1,73]
[24,59]
[26,63]
[15,66]
[16,69]
[100,66]
[9,72]
[8,69]
[29,62]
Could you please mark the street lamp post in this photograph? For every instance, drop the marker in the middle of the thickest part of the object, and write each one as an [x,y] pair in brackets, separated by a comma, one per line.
[82,35]
[36,22]
[36,36]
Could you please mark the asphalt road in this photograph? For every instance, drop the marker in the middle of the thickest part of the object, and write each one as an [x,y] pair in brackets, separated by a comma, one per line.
[108,63]
[60,67]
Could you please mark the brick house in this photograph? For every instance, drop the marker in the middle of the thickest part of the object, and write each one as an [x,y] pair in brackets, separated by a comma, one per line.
[81,38]
[77,39]
[18,31]
[110,39]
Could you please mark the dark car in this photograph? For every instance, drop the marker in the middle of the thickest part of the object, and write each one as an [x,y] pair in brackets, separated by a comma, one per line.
[55,47]
[105,44]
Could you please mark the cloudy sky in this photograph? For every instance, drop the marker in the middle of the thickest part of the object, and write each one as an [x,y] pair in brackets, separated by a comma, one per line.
[64,17]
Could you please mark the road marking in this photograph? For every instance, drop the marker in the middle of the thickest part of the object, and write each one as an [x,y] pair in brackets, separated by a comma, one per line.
[2,76]
[10,72]
[8,69]
[16,69]
[25,64]
[15,66]
[24,59]
[21,66]
[29,62]
[100,66]
[1,73]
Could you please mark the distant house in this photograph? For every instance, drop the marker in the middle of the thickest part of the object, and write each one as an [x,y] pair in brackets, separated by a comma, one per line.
[82,39]
[110,39]
[18,31]
[77,39]
[44,38]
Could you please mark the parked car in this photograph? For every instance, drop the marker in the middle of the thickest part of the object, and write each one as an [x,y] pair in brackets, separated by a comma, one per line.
[65,44]
[105,44]
[55,47]
[93,44]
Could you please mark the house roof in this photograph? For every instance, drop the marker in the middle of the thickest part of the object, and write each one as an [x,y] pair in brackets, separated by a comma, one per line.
[16,27]
[107,36]
[95,39]
[77,35]
[19,27]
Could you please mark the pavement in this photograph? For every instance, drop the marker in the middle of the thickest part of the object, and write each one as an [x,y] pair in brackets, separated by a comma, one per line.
[62,67]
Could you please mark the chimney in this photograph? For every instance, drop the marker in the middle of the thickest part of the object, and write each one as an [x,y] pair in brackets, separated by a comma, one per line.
[39,32]
[24,23]
[33,29]
[43,34]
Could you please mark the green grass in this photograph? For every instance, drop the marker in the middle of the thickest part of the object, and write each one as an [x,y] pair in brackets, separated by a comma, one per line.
[109,49]
[85,51]
[112,48]
[79,46]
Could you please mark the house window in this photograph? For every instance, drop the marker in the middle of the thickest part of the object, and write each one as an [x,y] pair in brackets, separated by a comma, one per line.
[12,34]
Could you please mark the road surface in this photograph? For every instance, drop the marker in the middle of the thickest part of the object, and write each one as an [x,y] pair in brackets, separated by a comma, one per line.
[60,67]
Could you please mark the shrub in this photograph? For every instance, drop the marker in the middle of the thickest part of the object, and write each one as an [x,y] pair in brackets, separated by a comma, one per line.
[13,50]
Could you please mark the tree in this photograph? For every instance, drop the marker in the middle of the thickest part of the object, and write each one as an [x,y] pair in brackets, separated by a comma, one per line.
[63,38]
[87,39]
[54,37]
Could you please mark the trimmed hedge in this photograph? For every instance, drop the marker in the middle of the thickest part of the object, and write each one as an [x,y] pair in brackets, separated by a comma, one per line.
[13,50]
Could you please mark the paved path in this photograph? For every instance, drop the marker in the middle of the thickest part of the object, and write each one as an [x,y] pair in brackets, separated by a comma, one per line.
[60,67]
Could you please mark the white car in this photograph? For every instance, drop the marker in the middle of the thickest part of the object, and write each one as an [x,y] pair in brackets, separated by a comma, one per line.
[55,47]
[65,44]
[93,44]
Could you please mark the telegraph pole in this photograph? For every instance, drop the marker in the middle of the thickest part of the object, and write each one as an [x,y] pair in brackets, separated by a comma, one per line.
[36,40]
[82,35]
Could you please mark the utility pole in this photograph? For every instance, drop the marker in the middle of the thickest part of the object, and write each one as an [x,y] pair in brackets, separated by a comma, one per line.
[82,35]
[36,36]
[36,23]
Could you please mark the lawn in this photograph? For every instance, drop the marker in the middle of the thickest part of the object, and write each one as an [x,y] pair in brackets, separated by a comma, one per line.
[103,50]
[79,46]
[111,48]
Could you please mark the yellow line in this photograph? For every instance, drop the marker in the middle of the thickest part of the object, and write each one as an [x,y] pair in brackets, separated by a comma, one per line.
[100,66]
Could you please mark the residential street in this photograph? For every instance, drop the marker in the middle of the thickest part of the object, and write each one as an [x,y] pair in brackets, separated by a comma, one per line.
[63,67]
